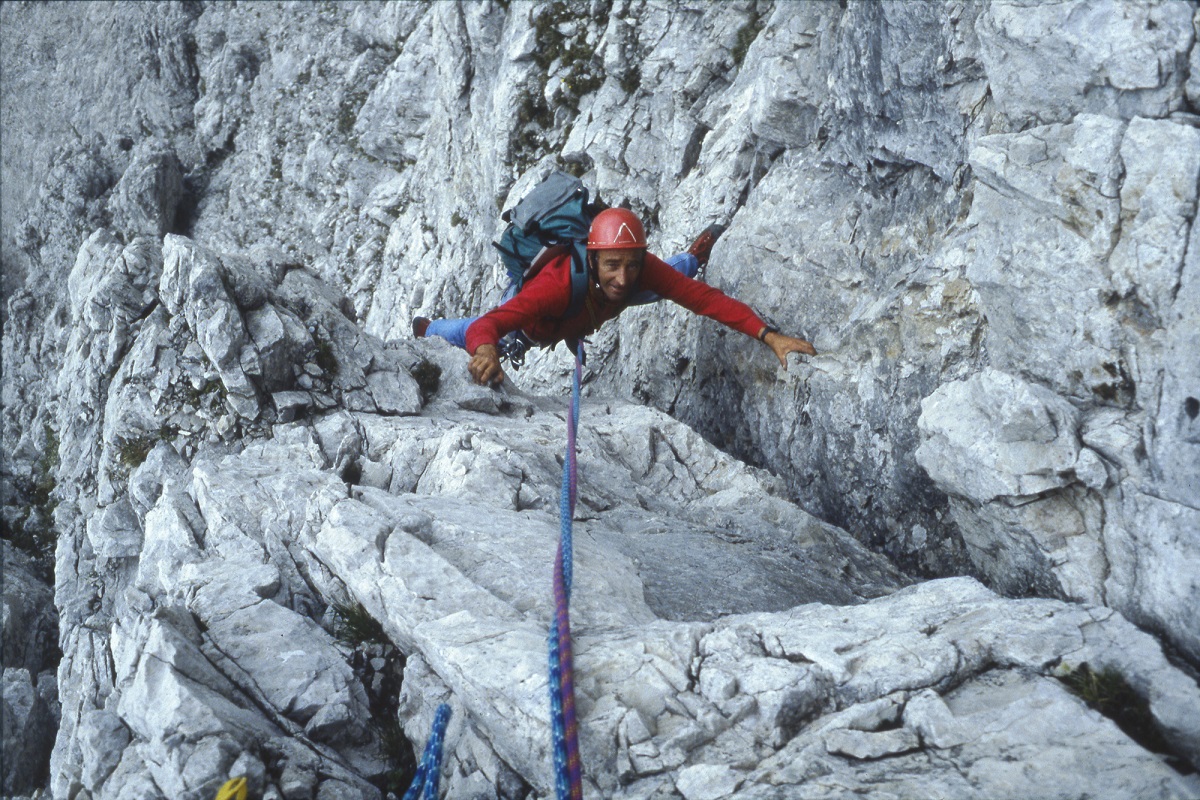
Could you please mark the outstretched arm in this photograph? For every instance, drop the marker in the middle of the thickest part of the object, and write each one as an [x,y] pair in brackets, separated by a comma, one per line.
[700,298]
[782,345]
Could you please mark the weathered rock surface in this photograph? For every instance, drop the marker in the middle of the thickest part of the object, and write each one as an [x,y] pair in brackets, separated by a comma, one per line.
[1009,454]
[1092,189]
[29,717]
[215,237]
[28,621]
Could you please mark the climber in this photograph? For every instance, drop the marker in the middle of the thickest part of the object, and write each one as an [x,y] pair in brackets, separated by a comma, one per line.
[620,270]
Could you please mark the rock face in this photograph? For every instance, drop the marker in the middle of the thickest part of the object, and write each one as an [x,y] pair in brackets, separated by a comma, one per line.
[728,644]
[214,240]
[1008,453]
[1105,365]
[208,529]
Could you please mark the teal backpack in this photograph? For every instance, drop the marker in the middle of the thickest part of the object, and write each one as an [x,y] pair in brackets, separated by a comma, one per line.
[554,217]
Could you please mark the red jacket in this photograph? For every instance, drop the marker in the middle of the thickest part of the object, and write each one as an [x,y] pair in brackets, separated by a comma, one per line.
[537,308]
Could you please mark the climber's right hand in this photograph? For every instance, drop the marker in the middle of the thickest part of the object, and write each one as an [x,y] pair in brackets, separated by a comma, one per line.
[485,366]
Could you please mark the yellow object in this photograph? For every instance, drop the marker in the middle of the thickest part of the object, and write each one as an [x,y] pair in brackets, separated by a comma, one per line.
[234,789]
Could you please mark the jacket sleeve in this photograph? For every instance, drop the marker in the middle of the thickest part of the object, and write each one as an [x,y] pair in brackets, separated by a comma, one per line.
[699,298]
[545,296]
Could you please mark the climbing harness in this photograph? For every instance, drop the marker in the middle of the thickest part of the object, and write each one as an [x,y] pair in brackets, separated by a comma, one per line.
[425,783]
[513,347]
[568,769]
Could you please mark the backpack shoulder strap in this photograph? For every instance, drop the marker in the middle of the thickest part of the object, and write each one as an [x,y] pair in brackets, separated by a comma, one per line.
[543,257]
[579,272]
[579,278]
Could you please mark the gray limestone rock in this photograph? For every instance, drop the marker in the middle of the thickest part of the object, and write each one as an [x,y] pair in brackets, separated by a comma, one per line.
[1008,452]
[994,435]
[194,285]
[280,339]
[216,237]
[263,533]
[1059,185]
[144,201]
[1118,59]
[103,738]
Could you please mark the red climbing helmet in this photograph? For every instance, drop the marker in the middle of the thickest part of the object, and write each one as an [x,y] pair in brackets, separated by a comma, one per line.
[616,229]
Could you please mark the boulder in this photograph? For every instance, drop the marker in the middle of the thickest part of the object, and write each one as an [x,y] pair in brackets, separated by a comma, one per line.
[145,200]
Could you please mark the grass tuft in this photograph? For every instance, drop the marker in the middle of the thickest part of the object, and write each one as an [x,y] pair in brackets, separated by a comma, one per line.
[398,752]
[325,357]
[429,378]
[746,36]
[355,626]
[133,452]
[32,528]
[1110,694]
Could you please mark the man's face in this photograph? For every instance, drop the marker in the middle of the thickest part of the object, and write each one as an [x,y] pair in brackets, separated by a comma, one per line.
[617,272]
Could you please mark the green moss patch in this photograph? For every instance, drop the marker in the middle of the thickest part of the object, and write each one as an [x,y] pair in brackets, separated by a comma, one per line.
[325,357]
[746,36]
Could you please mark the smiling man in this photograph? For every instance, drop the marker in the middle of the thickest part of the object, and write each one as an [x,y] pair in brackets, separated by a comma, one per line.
[621,272]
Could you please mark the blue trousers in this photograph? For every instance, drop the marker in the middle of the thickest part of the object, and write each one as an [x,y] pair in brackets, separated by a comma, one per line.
[454,331]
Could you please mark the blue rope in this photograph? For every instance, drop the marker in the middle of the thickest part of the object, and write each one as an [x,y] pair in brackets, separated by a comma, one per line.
[568,768]
[425,782]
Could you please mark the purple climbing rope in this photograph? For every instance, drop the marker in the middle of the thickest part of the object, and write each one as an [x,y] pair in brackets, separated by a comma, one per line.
[568,769]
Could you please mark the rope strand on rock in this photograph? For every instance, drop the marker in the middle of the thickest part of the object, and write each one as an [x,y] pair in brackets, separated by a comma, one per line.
[568,769]
[425,783]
